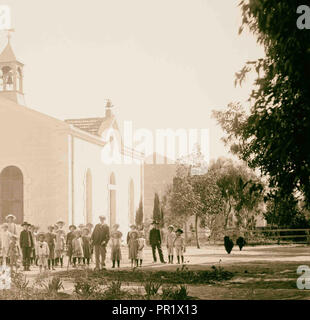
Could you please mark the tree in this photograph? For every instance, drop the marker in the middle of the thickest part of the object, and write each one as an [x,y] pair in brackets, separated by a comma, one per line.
[212,204]
[180,200]
[287,213]
[241,190]
[139,214]
[274,137]
[156,208]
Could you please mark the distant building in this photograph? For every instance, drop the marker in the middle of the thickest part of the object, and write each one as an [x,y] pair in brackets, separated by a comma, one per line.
[158,174]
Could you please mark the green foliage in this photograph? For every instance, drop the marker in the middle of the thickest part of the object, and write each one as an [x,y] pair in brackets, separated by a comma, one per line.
[86,287]
[240,242]
[176,293]
[19,281]
[53,286]
[156,209]
[228,244]
[182,275]
[275,136]
[286,213]
[151,287]
[114,291]
[139,214]
[241,190]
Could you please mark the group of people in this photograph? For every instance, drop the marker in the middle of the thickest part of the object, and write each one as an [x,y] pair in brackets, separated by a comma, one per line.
[47,250]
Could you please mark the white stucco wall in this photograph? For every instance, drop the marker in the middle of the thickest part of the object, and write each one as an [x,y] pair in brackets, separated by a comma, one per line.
[88,156]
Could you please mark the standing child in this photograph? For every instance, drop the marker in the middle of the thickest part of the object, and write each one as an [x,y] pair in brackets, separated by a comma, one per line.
[133,246]
[115,243]
[5,243]
[70,237]
[14,252]
[35,238]
[170,243]
[77,248]
[141,243]
[42,251]
[33,250]
[50,239]
[86,246]
[179,244]
[59,247]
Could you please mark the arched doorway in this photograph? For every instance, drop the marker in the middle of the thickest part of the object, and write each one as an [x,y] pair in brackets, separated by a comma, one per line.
[89,197]
[131,204]
[12,193]
[112,188]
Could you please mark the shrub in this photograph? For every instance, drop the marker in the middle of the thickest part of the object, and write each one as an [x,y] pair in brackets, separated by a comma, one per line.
[228,244]
[175,293]
[151,288]
[53,286]
[241,242]
[114,291]
[86,288]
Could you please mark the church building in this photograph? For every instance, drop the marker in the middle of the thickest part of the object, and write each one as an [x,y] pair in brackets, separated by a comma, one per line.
[52,169]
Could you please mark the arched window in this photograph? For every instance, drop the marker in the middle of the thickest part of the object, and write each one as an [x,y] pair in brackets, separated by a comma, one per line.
[12,193]
[112,200]
[89,196]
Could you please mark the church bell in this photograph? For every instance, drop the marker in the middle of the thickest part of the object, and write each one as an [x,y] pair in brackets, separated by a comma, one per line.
[10,79]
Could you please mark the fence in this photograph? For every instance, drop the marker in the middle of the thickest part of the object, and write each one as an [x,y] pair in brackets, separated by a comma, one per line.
[256,236]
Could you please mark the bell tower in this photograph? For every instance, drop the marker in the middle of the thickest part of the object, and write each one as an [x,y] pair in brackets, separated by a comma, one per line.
[11,75]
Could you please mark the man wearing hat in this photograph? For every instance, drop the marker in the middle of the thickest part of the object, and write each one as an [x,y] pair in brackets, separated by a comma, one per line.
[11,225]
[155,242]
[26,244]
[100,238]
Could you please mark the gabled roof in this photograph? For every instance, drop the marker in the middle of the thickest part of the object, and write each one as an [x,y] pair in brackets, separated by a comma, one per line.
[7,55]
[90,125]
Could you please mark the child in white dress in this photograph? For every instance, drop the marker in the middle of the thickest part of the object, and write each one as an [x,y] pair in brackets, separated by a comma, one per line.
[170,243]
[77,248]
[141,245]
[179,244]
[42,251]
[5,239]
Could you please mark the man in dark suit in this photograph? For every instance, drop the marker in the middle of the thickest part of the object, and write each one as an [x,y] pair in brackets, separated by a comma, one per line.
[26,245]
[155,242]
[100,239]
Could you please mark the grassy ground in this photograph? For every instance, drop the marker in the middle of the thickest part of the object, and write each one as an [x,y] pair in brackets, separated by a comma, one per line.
[263,280]
[264,273]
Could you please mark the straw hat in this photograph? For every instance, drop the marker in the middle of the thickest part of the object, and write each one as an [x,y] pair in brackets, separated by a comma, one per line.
[134,231]
[10,216]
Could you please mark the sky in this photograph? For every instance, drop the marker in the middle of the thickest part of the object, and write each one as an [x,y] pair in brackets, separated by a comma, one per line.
[163,63]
